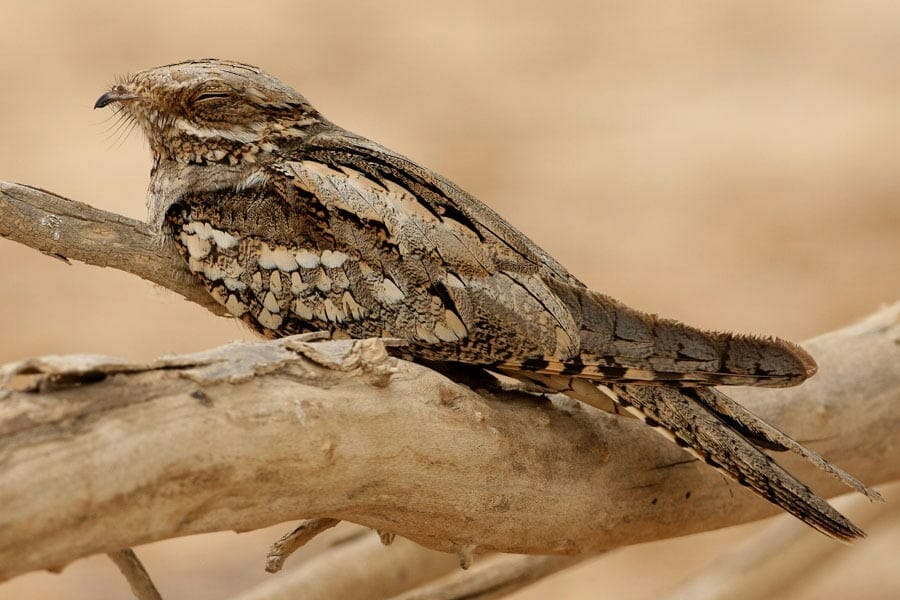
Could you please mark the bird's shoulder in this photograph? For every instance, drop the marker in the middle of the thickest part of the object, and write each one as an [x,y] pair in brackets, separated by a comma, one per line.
[360,180]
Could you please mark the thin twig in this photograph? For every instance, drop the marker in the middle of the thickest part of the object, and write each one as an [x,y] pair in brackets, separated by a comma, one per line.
[138,578]
[359,569]
[783,555]
[492,578]
[294,540]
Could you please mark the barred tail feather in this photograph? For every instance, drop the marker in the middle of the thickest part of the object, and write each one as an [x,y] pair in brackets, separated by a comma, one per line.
[761,433]
[623,345]
[652,372]
[696,425]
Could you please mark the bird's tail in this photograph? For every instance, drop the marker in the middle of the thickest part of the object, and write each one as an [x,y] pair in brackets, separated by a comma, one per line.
[617,344]
[730,438]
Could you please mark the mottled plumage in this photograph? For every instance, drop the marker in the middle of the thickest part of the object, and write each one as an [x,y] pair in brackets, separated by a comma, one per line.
[295,224]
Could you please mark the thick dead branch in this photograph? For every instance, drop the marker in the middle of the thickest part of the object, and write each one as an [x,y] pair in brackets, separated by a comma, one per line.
[97,454]
[249,435]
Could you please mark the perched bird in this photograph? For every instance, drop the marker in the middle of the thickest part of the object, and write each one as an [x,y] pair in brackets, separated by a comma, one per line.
[295,225]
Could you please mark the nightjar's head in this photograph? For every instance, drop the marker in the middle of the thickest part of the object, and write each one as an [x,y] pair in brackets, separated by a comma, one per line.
[211,111]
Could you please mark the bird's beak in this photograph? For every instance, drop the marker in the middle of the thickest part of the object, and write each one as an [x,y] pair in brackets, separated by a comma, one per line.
[116,94]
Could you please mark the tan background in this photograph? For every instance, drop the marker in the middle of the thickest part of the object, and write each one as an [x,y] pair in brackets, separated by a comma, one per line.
[730,164]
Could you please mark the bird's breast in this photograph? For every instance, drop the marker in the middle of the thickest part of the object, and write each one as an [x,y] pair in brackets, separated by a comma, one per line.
[171,182]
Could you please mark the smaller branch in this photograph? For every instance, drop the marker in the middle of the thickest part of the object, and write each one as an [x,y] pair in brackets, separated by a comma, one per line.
[66,229]
[492,578]
[138,578]
[361,569]
[781,556]
[294,540]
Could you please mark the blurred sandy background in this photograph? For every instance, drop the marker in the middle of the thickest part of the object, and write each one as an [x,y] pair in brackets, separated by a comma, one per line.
[730,164]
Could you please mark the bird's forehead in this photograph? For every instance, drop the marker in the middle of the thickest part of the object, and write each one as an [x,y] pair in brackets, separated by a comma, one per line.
[191,73]
[255,85]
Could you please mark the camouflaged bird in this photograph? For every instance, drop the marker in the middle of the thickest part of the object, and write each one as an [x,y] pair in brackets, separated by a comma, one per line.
[296,225]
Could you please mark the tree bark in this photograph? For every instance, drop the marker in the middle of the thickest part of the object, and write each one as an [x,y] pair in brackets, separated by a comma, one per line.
[97,454]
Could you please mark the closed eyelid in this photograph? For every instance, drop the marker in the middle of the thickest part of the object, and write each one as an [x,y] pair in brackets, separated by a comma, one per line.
[210,95]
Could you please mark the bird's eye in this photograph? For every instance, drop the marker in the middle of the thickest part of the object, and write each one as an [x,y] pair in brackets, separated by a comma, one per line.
[210,96]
